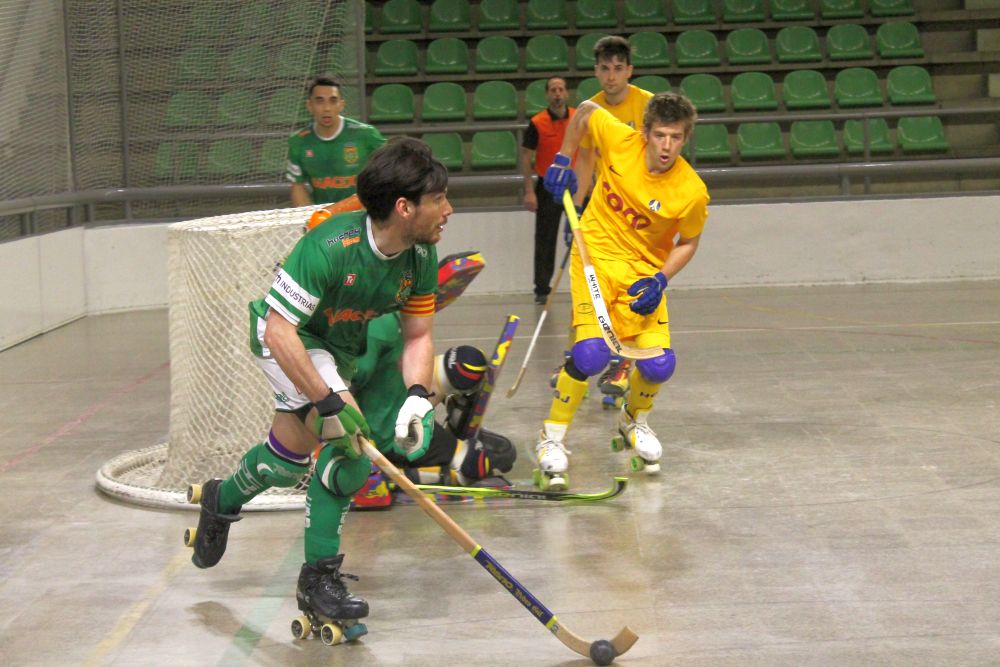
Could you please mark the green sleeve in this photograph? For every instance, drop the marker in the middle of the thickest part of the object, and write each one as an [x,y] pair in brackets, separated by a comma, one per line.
[294,171]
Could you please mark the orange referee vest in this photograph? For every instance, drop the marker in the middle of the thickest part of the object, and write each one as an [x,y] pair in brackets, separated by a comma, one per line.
[550,137]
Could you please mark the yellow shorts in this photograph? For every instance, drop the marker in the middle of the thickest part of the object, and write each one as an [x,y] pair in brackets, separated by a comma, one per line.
[615,277]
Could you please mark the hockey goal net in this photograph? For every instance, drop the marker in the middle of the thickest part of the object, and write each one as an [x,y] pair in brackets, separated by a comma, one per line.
[220,403]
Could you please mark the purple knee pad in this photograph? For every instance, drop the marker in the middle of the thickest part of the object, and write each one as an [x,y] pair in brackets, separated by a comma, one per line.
[658,369]
[591,355]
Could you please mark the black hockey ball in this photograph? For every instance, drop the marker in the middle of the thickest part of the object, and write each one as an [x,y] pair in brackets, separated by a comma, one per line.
[602,652]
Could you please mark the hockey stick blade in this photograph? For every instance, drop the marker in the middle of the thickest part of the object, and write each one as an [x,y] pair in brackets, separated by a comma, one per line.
[523,494]
[621,642]
[471,432]
[593,286]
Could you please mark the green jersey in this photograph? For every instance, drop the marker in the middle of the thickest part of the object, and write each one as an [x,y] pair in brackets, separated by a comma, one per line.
[331,166]
[378,383]
[335,281]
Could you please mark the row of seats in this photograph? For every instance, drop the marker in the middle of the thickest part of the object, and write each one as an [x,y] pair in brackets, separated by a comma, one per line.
[692,48]
[238,108]
[749,91]
[406,16]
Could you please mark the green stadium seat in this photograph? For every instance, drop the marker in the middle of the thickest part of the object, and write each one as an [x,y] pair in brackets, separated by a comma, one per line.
[198,63]
[587,89]
[494,100]
[696,48]
[301,17]
[546,14]
[644,12]
[909,84]
[546,53]
[687,12]
[396,57]
[747,46]
[342,58]
[229,158]
[273,157]
[649,49]
[446,147]
[753,91]
[286,108]
[251,16]
[447,55]
[805,89]
[498,15]
[704,91]
[497,53]
[922,134]
[205,20]
[840,9]
[898,39]
[710,143]
[443,101]
[534,97]
[813,138]
[400,16]
[238,108]
[880,8]
[797,44]
[176,160]
[369,19]
[857,87]
[792,10]
[189,108]
[392,103]
[246,63]
[652,83]
[596,14]
[878,137]
[743,11]
[449,16]
[294,60]
[584,50]
[494,150]
[849,41]
[759,141]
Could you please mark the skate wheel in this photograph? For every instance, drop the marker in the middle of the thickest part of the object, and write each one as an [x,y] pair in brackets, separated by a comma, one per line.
[636,463]
[194,494]
[617,443]
[189,537]
[301,627]
[652,468]
[355,631]
[330,634]
[557,483]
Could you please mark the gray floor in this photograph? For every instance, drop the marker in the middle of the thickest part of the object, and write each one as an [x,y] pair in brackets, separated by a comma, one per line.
[830,496]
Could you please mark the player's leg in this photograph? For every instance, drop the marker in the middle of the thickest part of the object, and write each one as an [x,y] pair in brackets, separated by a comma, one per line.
[647,377]
[546,238]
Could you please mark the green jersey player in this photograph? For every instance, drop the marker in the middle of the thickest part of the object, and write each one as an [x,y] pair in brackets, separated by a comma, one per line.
[326,157]
[307,334]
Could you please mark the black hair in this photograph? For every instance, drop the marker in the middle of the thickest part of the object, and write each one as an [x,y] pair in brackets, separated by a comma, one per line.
[613,46]
[404,167]
[325,80]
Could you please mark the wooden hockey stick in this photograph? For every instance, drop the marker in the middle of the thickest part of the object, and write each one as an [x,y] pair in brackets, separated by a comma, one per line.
[600,309]
[538,327]
[601,651]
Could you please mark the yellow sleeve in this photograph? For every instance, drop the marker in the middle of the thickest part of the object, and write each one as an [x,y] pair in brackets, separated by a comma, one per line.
[606,131]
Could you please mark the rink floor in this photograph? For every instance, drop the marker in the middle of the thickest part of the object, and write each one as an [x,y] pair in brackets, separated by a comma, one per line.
[830,495]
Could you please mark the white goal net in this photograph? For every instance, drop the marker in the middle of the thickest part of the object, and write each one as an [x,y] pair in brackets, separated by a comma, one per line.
[220,403]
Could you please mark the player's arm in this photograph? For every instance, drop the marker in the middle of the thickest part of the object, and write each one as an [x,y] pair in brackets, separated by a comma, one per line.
[679,257]
[560,174]
[530,200]
[296,175]
[417,358]
[415,421]
[282,339]
[300,195]
[584,169]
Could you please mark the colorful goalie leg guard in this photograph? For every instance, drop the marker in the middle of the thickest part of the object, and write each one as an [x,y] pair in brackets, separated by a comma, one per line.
[375,494]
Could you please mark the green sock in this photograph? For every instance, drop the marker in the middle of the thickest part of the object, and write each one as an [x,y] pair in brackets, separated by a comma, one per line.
[259,469]
[336,480]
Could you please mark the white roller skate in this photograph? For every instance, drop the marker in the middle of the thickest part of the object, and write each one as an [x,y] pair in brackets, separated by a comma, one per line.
[634,433]
[552,458]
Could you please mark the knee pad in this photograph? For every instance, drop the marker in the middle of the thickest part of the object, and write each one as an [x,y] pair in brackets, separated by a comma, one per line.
[340,475]
[589,357]
[658,369]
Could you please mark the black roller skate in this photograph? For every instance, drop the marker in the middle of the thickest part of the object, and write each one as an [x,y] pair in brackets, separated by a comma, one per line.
[209,539]
[329,610]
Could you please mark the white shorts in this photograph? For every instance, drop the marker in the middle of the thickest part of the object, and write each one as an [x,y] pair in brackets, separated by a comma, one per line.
[287,397]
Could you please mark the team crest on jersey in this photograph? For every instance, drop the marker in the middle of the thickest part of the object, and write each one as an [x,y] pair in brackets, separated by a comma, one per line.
[654,205]
[309,153]
[349,279]
[351,154]
[422,251]
[405,287]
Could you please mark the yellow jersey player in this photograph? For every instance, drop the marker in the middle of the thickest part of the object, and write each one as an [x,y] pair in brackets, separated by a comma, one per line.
[642,226]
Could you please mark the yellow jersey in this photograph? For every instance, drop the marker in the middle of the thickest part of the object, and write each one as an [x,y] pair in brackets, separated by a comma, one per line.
[633,213]
[629,111]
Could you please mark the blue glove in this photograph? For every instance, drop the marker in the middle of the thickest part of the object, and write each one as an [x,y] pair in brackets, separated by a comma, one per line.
[560,176]
[650,291]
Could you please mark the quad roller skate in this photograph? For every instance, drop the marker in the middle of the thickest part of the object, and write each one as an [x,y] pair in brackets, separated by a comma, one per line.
[634,433]
[552,458]
[209,539]
[614,383]
[328,608]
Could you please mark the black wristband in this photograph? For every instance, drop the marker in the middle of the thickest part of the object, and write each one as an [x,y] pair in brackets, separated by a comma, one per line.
[418,390]
[330,404]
